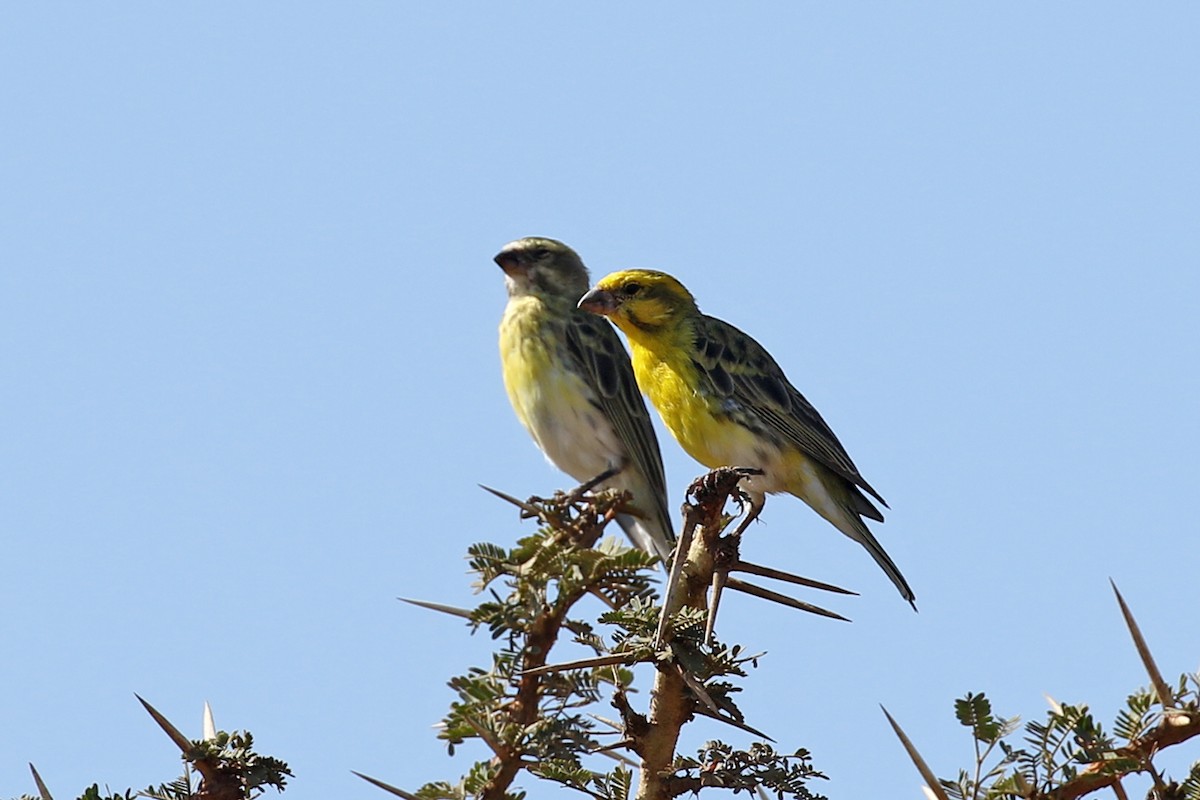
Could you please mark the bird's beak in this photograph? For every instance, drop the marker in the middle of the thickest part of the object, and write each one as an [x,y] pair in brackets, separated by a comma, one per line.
[599,301]
[508,262]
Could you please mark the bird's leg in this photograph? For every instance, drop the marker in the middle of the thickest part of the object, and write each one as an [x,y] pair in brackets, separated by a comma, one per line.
[757,502]
[585,487]
[740,495]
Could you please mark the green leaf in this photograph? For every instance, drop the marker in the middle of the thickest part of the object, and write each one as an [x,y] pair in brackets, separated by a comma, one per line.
[975,711]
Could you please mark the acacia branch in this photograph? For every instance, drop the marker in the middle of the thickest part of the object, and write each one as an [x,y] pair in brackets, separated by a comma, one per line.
[671,703]
[1175,728]
[543,632]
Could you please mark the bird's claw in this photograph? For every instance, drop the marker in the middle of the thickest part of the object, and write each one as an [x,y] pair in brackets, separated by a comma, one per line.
[721,479]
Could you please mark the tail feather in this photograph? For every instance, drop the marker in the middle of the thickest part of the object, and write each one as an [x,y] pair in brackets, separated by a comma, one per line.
[861,534]
[646,536]
[863,506]
[649,527]
[851,524]
[845,506]
[885,562]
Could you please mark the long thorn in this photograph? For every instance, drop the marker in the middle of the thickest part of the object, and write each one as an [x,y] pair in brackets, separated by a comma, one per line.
[698,689]
[521,504]
[607,750]
[208,724]
[453,611]
[702,711]
[718,585]
[181,741]
[681,550]
[616,726]
[387,787]
[486,736]
[779,575]
[583,663]
[783,599]
[37,779]
[1156,679]
[931,780]
[710,708]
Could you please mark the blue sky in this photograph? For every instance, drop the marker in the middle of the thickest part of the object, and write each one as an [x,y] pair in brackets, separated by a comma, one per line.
[248,316]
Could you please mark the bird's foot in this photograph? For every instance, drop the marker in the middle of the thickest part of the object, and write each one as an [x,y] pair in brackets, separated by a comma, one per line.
[585,487]
[722,480]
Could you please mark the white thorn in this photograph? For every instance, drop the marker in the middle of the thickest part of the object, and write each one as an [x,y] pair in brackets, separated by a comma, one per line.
[210,727]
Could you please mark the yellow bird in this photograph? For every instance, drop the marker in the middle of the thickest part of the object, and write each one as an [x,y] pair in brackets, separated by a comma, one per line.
[728,403]
[570,382]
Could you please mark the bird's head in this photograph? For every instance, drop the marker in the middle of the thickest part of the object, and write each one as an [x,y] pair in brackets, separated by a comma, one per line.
[543,267]
[641,301]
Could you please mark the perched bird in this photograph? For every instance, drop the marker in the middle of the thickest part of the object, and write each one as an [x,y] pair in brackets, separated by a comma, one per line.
[729,404]
[570,382]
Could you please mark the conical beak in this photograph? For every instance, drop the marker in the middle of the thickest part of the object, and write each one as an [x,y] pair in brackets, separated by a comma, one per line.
[599,301]
[508,262]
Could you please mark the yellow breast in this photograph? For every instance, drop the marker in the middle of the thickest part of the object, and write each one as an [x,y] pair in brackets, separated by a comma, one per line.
[533,374]
[554,403]
[672,383]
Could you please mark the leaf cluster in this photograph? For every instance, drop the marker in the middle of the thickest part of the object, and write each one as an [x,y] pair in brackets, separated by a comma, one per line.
[534,715]
[1068,744]
[234,755]
[613,785]
[228,760]
[720,765]
[536,721]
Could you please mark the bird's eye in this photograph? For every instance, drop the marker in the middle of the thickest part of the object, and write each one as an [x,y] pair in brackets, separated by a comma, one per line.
[540,253]
[632,288]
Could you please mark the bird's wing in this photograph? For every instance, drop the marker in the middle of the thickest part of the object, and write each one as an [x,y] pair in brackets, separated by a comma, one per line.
[741,371]
[605,365]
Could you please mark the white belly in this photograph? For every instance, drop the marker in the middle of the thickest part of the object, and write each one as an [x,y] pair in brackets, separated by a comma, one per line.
[572,432]
[792,473]
[553,403]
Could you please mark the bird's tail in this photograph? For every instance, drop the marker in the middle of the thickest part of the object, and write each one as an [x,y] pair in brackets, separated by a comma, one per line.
[853,526]
[647,536]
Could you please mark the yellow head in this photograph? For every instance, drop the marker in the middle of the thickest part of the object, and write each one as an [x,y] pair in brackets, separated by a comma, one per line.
[642,302]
